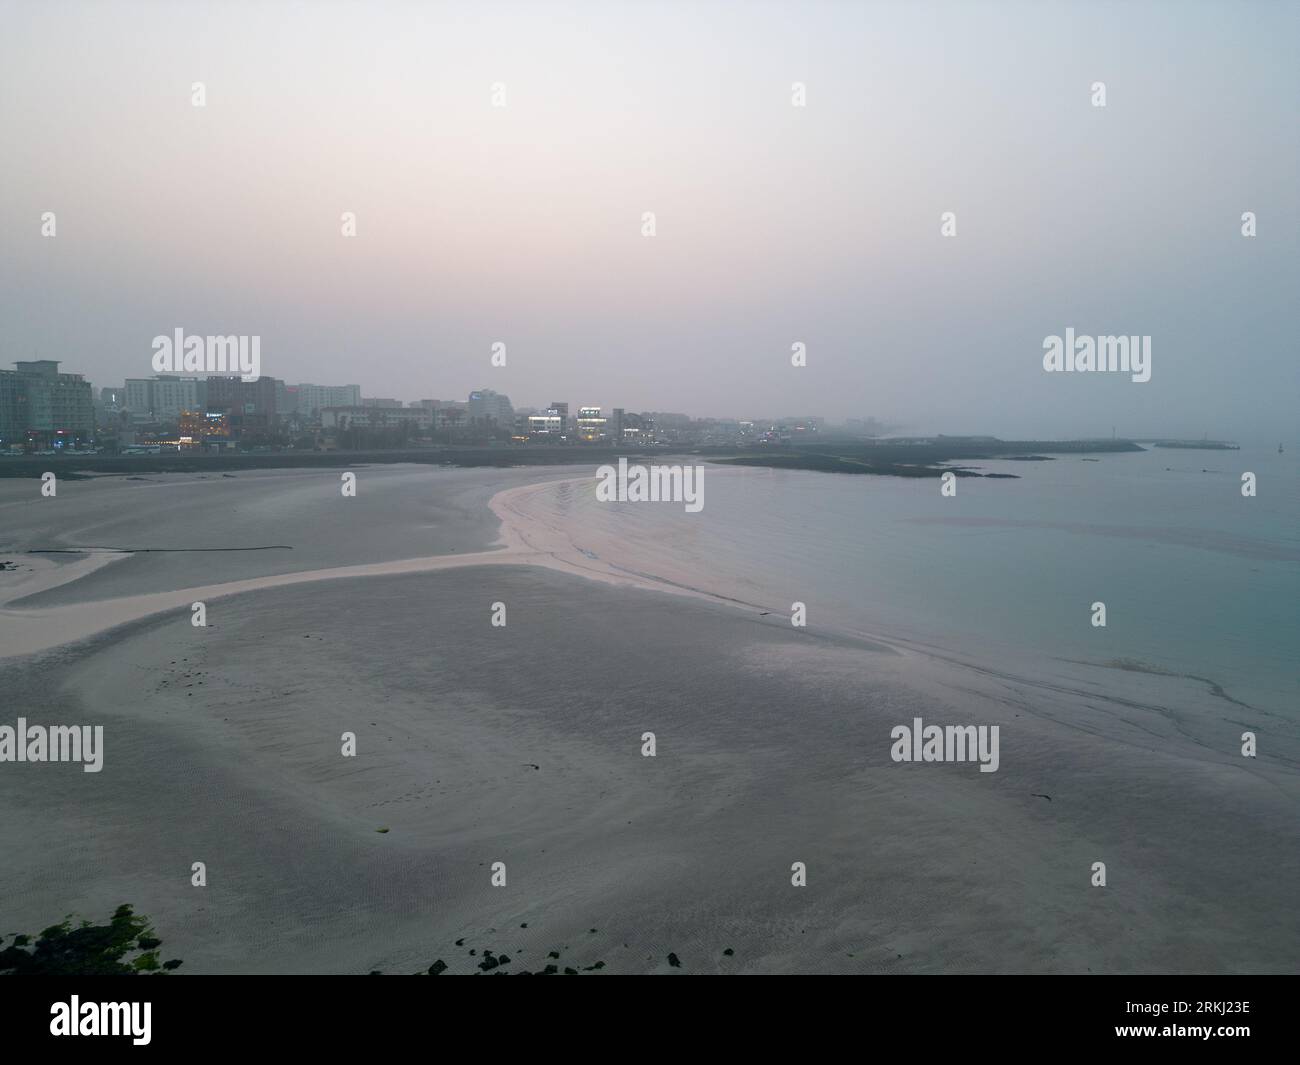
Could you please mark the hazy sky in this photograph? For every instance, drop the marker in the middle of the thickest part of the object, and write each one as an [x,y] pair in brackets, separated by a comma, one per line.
[775,224]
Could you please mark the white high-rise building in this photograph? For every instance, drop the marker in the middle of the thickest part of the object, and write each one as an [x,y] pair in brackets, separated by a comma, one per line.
[162,398]
[312,399]
[487,406]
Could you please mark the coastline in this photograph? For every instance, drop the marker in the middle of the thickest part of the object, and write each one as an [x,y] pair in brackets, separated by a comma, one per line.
[30,630]
[217,750]
[530,537]
[480,744]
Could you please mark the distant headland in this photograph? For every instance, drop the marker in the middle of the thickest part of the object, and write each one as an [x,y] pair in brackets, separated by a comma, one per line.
[916,457]
[925,457]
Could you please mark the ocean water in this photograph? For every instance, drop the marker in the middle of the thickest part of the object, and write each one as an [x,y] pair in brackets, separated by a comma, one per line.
[1197,580]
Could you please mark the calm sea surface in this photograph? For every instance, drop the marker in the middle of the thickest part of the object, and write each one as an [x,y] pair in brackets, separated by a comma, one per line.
[1196,578]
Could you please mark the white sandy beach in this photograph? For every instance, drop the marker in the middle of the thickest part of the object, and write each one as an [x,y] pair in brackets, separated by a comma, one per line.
[522,541]
[523,745]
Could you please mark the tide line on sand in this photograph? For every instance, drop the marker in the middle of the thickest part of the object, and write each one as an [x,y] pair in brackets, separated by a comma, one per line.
[524,540]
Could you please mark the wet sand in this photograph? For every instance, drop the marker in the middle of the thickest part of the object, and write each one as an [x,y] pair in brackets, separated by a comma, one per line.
[522,744]
[25,631]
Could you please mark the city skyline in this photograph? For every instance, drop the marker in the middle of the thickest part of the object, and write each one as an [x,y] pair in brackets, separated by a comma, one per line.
[800,187]
[43,408]
[341,399]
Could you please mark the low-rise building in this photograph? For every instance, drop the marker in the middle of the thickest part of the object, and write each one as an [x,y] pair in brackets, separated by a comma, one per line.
[204,428]
[359,417]
[591,425]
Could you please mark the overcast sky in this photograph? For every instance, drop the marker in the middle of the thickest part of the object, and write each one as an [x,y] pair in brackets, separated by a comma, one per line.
[774,224]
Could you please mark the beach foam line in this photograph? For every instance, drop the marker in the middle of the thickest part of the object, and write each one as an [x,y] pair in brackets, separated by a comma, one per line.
[523,541]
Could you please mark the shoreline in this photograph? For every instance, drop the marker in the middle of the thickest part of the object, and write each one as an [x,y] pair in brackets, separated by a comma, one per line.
[526,539]
[522,538]
[522,744]
[31,630]
[218,752]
